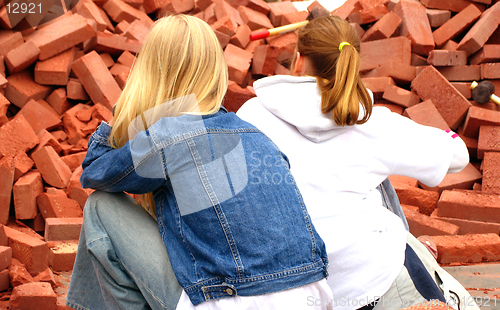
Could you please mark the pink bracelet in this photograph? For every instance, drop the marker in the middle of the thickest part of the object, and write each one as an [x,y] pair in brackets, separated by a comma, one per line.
[454,135]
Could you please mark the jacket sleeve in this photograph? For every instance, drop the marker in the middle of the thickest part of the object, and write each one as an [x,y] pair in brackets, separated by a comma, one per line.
[122,169]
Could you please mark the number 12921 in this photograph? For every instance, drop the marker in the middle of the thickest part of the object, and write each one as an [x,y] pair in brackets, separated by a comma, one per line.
[23,8]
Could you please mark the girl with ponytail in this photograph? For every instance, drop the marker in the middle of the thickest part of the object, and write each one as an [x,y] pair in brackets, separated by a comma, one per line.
[341,149]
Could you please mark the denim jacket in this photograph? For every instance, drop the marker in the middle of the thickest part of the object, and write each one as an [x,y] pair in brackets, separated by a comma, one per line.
[228,210]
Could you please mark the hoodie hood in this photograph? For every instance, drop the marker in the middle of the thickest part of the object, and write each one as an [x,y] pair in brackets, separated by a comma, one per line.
[297,101]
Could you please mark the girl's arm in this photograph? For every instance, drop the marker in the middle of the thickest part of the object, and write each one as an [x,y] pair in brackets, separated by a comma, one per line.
[117,170]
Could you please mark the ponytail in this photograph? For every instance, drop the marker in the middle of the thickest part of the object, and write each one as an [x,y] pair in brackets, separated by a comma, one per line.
[332,46]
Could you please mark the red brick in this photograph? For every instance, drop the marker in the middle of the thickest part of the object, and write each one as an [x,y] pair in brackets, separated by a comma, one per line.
[36,295]
[389,105]
[55,70]
[25,191]
[489,140]
[59,229]
[53,169]
[282,70]
[38,116]
[57,204]
[461,180]
[403,180]
[402,74]
[118,68]
[470,205]
[17,135]
[426,113]
[202,4]
[471,143]
[126,59]
[451,104]
[481,30]
[176,7]
[463,88]
[242,37]
[278,9]
[62,255]
[46,138]
[90,10]
[284,44]
[452,5]
[259,6]
[368,15]
[72,125]
[438,17]
[415,26]
[456,25]
[4,280]
[489,53]
[264,61]
[447,58]
[236,96]
[58,100]
[96,79]
[37,224]
[238,62]
[468,227]
[122,77]
[450,45]
[137,31]
[22,164]
[6,183]
[475,248]
[376,53]
[346,9]
[491,173]
[119,10]
[74,160]
[5,257]
[22,57]
[80,195]
[223,9]
[400,96]
[76,91]
[461,73]
[293,18]
[417,60]
[384,28]
[226,25]
[47,276]
[254,19]
[378,85]
[490,71]
[477,117]
[61,35]
[18,274]
[426,201]
[21,88]
[9,40]
[421,224]
[209,14]
[30,251]
[122,26]
[112,44]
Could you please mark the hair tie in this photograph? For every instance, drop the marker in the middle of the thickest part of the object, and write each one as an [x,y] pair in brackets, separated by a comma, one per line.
[342,45]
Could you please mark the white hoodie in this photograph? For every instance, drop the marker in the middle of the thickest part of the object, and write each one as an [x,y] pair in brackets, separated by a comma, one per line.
[337,170]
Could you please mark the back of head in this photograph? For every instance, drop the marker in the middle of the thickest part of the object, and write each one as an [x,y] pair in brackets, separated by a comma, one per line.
[332,47]
[181,59]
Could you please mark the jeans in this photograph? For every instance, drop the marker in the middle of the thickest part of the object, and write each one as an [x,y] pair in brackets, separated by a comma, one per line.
[121,261]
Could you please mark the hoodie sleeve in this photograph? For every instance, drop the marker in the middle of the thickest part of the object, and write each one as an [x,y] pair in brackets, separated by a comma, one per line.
[421,152]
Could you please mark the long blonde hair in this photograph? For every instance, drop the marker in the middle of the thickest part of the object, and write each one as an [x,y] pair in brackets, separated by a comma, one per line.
[181,57]
[336,70]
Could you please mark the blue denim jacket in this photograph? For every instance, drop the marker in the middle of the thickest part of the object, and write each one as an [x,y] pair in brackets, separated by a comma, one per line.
[228,210]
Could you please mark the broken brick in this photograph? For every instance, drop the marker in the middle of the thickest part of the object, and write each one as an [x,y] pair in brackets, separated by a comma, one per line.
[25,191]
[53,169]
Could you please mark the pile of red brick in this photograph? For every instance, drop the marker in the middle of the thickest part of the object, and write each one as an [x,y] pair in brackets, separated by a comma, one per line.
[59,81]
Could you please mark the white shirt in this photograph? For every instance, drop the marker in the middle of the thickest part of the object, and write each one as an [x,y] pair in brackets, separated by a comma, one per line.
[337,170]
